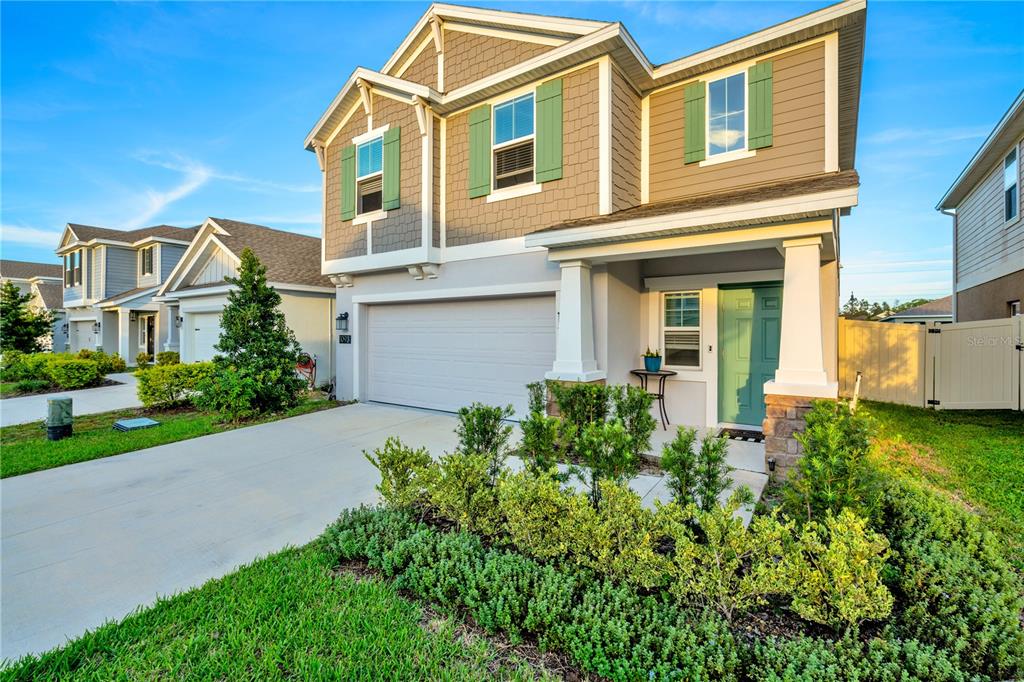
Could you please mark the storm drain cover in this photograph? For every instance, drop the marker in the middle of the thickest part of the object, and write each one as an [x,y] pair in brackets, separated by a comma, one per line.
[134,424]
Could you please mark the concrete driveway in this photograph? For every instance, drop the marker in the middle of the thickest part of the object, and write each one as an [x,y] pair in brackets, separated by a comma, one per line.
[32,408]
[89,542]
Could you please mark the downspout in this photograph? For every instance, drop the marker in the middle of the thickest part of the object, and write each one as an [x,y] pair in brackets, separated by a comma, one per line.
[952,214]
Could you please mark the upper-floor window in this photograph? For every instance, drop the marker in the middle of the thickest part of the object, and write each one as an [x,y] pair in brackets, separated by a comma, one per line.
[681,328]
[369,175]
[73,269]
[727,114]
[1011,200]
[146,260]
[513,142]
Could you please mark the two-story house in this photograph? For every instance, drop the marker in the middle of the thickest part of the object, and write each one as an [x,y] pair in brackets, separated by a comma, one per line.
[43,282]
[110,279]
[516,196]
[988,230]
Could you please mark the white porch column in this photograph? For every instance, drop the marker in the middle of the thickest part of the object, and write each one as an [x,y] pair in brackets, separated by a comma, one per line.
[168,329]
[574,348]
[801,370]
[123,335]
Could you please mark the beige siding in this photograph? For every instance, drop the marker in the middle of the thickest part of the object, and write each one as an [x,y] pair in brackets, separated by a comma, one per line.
[798,91]
[625,144]
[469,57]
[469,221]
[402,229]
[423,69]
[984,240]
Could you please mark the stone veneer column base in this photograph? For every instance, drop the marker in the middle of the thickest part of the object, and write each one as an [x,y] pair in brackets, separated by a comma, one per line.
[552,405]
[784,416]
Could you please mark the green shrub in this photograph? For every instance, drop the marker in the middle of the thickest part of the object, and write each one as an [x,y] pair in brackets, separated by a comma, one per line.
[230,391]
[482,429]
[720,565]
[108,364]
[632,407]
[959,592]
[168,357]
[879,659]
[537,513]
[463,492]
[834,472]
[31,385]
[143,359]
[12,366]
[169,385]
[372,535]
[607,453]
[581,404]
[403,471]
[537,393]
[696,476]
[37,365]
[837,572]
[543,440]
[439,566]
[71,373]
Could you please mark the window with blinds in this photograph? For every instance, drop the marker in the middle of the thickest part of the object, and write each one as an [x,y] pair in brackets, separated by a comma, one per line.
[513,165]
[513,141]
[681,328]
[146,257]
[370,194]
[370,176]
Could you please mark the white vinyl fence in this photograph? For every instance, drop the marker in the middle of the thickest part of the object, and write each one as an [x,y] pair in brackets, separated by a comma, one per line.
[961,366]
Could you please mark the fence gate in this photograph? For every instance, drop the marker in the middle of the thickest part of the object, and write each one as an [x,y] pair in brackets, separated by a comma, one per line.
[961,366]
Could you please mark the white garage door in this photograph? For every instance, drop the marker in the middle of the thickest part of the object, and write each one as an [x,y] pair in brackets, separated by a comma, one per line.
[205,333]
[445,355]
[82,336]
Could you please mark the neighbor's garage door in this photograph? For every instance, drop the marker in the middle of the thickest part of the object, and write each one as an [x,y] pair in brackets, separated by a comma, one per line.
[445,355]
[205,333]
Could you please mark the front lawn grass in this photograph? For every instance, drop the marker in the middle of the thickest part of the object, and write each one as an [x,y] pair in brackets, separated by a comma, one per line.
[25,448]
[283,617]
[974,455]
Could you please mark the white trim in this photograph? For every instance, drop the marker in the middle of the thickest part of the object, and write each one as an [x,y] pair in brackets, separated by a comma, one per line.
[827,390]
[514,191]
[660,296]
[225,288]
[444,185]
[690,282]
[645,150]
[381,261]
[493,291]
[489,249]
[832,103]
[604,135]
[115,302]
[427,179]
[507,34]
[726,157]
[366,218]
[803,203]
[416,53]
[371,135]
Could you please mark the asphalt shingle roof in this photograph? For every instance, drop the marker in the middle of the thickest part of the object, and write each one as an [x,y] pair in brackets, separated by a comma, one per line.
[940,306]
[52,294]
[87,232]
[20,269]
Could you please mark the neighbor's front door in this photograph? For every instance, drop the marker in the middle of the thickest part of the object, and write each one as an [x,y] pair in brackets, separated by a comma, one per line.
[749,325]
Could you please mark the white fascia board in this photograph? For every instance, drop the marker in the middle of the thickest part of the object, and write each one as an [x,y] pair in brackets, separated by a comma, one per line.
[804,203]
[830,13]
[378,261]
[195,247]
[160,240]
[225,288]
[536,22]
[497,290]
[118,301]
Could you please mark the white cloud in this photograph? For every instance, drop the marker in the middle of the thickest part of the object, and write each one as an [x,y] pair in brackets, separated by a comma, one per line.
[177,162]
[933,136]
[33,236]
[195,176]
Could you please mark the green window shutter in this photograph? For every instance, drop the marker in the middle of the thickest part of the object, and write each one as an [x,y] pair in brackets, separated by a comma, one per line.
[392,168]
[759,99]
[548,153]
[348,182]
[693,122]
[480,151]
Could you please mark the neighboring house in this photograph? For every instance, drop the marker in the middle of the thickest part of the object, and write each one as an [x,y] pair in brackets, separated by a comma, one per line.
[195,292]
[930,314]
[516,196]
[43,281]
[110,278]
[988,230]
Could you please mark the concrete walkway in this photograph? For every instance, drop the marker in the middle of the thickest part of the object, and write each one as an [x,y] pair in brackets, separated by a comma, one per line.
[89,542]
[32,408]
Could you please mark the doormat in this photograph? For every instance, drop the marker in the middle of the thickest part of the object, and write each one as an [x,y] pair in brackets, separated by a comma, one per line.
[740,434]
[134,424]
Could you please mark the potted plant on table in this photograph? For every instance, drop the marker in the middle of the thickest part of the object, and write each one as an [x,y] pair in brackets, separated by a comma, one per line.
[652,360]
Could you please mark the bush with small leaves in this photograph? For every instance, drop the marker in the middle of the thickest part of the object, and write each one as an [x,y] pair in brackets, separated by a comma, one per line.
[632,407]
[537,393]
[12,366]
[724,566]
[230,391]
[404,473]
[607,454]
[143,359]
[168,357]
[837,572]
[581,404]
[696,476]
[463,492]
[537,513]
[834,472]
[544,439]
[483,429]
[170,385]
[70,373]
[31,385]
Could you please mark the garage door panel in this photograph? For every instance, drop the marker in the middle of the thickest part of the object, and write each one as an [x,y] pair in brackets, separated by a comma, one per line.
[446,355]
[205,334]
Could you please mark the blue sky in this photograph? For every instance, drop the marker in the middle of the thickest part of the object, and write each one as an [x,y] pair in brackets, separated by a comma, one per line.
[130,114]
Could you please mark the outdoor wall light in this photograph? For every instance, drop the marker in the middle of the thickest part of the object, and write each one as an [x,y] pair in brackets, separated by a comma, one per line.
[771,464]
[178,319]
[133,316]
[96,327]
[341,322]
[64,328]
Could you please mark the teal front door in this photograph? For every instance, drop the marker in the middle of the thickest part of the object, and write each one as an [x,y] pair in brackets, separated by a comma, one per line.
[749,326]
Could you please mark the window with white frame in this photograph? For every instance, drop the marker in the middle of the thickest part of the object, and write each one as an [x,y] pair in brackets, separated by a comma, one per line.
[513,142]
[146,260]
[1011,197]
[727,114]
[370,176]
[681,328]
[73,269]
